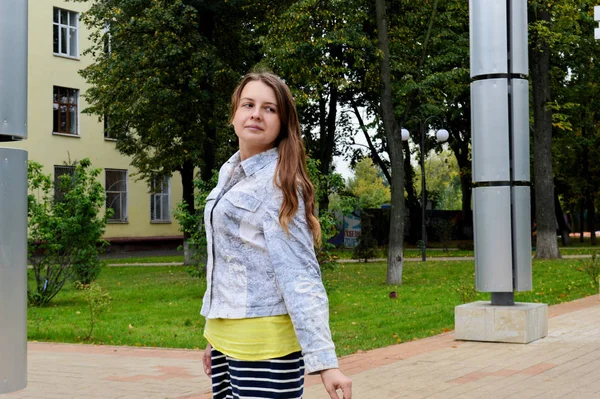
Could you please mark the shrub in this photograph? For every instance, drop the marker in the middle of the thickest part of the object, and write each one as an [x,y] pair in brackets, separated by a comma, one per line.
[193,225]
[64,229]
[98,301]
[367,244]
[591,267]
[465,245]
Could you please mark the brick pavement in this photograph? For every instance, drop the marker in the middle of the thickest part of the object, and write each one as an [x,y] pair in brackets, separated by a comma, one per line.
[565,364]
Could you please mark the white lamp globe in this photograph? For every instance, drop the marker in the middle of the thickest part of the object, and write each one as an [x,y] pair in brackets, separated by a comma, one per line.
[405,134]
[442,135]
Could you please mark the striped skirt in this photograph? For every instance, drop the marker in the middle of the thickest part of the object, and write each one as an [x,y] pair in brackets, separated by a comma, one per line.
[281,378]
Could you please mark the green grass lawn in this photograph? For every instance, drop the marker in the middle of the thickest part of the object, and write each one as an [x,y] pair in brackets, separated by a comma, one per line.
[343,254]
[159,306]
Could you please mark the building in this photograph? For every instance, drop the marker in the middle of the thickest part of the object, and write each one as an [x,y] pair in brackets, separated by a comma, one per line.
[59,132]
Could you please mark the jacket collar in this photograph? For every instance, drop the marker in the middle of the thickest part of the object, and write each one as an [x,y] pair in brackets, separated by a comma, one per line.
[255,162]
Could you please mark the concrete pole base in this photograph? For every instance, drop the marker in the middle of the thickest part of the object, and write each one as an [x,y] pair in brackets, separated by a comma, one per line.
[520,323]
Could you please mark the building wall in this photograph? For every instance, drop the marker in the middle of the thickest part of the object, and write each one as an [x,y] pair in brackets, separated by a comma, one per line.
[47,70]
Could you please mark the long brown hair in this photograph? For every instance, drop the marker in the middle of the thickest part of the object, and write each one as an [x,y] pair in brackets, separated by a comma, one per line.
[291,173]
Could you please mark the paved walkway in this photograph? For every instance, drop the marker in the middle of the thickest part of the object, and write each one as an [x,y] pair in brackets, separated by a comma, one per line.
[566,364]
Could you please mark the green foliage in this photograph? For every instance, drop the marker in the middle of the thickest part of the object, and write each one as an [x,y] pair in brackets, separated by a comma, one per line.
[442,176]
[332,183]
[327,259]
[163,73]
[591,267]
[367,185]
[64,229]
[326,55]
[193,225]
[98,301]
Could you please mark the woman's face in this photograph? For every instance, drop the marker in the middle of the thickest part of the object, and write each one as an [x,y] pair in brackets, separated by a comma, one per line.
[256,121]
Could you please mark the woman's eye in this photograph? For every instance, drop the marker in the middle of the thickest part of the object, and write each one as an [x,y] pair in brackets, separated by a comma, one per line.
[270,109]
[247,105]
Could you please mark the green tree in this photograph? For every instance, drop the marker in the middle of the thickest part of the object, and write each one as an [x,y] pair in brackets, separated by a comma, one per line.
[442,176]
[324,54]
[367,185]
[162,75]
[64,231]
[576,140]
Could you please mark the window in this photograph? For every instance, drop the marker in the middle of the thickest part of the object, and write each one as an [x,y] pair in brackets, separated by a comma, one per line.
[116,194]
[107,48]
[60,185]
[108,133]
[66,25]
[64,108]
[160,200]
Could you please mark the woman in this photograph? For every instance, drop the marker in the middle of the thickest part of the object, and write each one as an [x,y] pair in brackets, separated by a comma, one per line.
[267,313]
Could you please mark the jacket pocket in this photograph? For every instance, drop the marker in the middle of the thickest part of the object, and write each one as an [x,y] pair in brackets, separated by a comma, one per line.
[243,200]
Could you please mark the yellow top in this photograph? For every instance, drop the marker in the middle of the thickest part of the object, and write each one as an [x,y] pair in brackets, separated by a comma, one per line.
[257,338]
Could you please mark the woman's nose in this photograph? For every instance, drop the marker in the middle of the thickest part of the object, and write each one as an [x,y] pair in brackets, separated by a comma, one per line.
[256,113]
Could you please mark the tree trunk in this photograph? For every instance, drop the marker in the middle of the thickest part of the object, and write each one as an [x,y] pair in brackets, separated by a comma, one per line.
[563,226]
[412,203]
[460,145]
[374,154]
[394,140]
[187,183]
[464,164]
[581,219]
[591,214]
[589,197]
[546,244]
[327,139]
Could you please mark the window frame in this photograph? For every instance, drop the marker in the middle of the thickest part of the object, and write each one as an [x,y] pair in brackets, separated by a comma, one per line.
[121,195]
[64,169]
[108,136]
[56,105]
[162,197]
[57,28]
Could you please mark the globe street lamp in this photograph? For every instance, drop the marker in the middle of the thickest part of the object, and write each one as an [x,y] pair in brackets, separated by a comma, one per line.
[441,136]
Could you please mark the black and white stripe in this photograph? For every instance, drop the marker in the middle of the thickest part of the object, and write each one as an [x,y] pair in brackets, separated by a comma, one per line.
[281,378]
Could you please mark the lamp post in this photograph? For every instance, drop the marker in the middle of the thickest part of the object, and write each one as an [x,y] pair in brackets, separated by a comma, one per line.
[441,136]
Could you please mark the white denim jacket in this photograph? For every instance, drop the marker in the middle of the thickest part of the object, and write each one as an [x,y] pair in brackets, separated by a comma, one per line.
[254,267]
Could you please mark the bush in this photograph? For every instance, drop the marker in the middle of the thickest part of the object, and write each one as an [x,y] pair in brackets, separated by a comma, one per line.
[64,229]
[367,244]
[193,225]
[465,245]
[591,267]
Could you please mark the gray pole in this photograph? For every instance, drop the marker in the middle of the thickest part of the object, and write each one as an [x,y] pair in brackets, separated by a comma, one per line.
[501,193]
[500,127]
[13,196]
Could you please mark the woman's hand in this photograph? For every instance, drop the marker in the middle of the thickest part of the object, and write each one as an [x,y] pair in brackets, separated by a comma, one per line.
[207,360]
[334,379]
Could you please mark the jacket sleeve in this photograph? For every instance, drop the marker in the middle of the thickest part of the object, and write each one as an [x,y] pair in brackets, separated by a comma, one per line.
[298,277]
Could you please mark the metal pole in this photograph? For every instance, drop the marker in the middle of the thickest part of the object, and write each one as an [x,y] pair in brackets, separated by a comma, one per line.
[423,197]
[13,196]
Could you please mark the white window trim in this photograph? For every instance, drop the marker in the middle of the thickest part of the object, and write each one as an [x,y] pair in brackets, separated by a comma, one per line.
[125,216]
[69,27]
[157,197]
